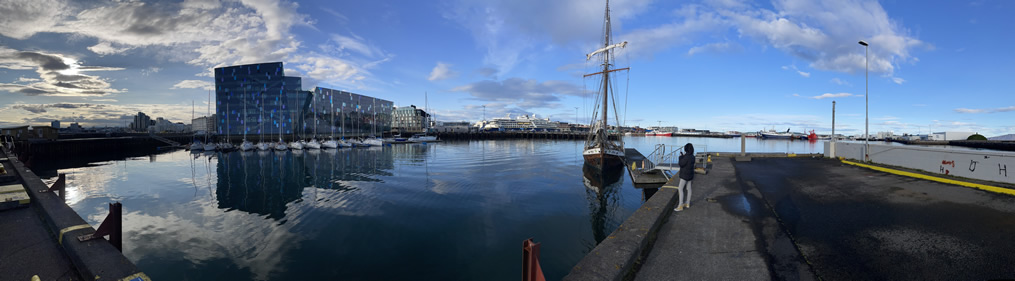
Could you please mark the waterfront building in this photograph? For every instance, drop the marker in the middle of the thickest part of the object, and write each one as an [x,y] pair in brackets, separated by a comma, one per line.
[163,125]
[947,136]
[274,102]
[409,119]
[455,127]
[75,127]
[30,132]
[141,122]
[203,124]
[55,124]
[347,114]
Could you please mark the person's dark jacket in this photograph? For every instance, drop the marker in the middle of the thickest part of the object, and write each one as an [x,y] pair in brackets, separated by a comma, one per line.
[686,163]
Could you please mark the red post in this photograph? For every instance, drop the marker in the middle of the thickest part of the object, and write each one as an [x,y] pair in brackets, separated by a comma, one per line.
[112,226]
[531,271]
[59,185]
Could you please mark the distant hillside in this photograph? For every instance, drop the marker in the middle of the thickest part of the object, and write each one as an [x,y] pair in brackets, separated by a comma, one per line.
[1008,137]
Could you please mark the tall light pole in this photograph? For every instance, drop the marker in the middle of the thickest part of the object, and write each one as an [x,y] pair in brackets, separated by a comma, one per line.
[484,112]
[576,115]
[866,101]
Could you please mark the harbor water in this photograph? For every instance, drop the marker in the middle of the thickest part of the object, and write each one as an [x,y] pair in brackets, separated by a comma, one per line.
[448,211]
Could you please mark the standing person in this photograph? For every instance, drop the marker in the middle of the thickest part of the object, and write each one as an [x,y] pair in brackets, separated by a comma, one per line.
[686,174]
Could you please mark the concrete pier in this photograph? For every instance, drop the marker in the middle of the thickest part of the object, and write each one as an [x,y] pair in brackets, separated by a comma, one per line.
[810,218]
[42,239]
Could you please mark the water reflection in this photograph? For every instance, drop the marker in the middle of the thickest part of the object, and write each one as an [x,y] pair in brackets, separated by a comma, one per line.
[601,191]
[265,183]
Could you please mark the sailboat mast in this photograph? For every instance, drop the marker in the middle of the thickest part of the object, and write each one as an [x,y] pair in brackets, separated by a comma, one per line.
[244,100]
[606,77]
[207,129]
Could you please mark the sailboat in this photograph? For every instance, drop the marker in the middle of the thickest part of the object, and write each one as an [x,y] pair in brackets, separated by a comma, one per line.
[261,145]
[331,143]
[296,144]
[226,145]
[280,145]
[194,144]
[356,142]
[313,144]
[600,151]
[208,146]
[373,140]
[246,145]
[424,137]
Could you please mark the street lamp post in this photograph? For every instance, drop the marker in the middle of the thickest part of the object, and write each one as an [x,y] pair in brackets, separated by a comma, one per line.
[576,115]
[484,112]
[866,101]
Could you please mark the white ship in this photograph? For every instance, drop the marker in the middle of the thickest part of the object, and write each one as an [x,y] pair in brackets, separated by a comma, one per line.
[520,123]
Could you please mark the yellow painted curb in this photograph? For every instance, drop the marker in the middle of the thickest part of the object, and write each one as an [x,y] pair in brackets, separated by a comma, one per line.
[69,229]
[983,187]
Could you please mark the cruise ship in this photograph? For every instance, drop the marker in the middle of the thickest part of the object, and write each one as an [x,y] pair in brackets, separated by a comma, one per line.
[520,123]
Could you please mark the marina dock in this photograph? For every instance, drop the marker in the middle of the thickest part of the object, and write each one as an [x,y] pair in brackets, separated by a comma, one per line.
[641,169]
[48,241]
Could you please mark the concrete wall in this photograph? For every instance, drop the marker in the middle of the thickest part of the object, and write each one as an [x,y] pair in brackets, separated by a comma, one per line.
[996,166]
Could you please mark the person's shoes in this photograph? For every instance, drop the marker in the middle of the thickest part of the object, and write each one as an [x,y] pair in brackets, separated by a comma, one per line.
[678,209]
[687,206]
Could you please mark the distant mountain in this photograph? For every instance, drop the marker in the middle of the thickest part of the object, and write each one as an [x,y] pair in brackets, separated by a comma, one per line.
[1008,137]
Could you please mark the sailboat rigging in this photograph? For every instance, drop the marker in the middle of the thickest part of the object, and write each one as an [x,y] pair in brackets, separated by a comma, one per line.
[604,149]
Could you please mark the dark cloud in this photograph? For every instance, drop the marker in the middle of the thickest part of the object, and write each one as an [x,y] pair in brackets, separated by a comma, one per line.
[488,72]
[33,108]
[521,92]
[33,91]
[45,61]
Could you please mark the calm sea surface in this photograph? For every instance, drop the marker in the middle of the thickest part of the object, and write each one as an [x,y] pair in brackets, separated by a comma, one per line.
[448,211]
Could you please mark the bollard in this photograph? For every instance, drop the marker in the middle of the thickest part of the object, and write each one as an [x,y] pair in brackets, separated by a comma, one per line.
[531,271]
[112,226]
[743,146]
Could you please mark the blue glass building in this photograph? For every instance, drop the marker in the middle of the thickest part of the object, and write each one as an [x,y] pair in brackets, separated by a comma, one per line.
[258,99]
[347,114]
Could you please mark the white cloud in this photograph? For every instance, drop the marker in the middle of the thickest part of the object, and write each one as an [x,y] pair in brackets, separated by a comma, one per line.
[194,84]
[988,110]
[202,33]
[508,29]
[59,75]
[898,80]
[441,71]
[838,81]
[91,114]
[831,95]
[793,67]
[355,44]
[713,48]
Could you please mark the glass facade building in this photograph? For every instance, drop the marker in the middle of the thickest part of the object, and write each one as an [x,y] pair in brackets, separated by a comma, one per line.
[258,99]
[347,114]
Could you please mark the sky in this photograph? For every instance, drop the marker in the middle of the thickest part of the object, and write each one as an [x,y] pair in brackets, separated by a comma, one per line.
[715,64]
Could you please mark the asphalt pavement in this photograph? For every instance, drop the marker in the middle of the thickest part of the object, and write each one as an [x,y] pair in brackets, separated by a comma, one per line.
[851,223]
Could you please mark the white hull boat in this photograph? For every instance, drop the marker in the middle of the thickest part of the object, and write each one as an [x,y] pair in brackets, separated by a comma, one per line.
[329,144]
[313,144]
[373,142]
[247,146]
[280,146]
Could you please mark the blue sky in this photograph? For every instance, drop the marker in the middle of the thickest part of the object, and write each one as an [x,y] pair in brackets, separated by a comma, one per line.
[720,65]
